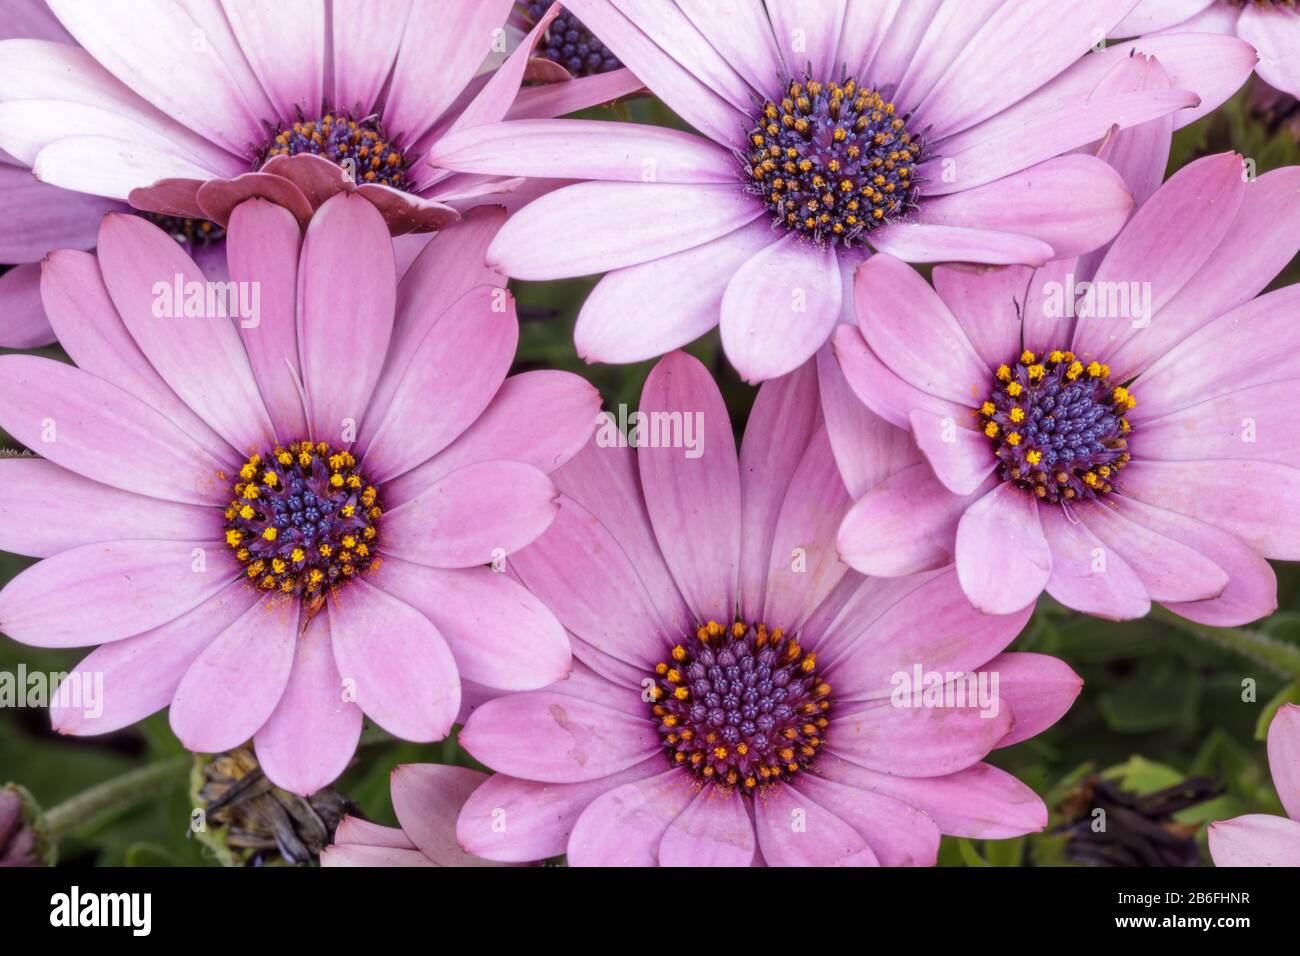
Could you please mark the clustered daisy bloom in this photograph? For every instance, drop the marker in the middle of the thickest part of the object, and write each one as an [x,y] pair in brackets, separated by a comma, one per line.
[736,700]
[1258,839]
[827,130]
[188,109]
[1272,27]
[1114,434]
[277,526]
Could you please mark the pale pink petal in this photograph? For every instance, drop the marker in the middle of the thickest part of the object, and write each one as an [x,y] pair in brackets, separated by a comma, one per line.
[780,307]
[1168,570]
[538,817]
[1275,33]
[48,509]
[1073,203]
[906,524]
[140,674]
[1251,592]
[440,51]
[687,95]
[541,418]
[865,663]
[713,830]
[918,741]
[793,830]
[1152,15]
[347,288]
[1255,839]
[1284,757]
[587,149]
[312,734]
[263,247]
[613,225]
[911,329]
[1086,575]
[144,52]
[233,686]
[900,835]
[980,802]
[624,826]
[200,357]
[880,388]
[991,72]
[962,458]
[694,502]
[394,663]
[501,634]
[23,324]
[781,424]
[1211,491]
[647,310]
[988,303]
[427,799]
[475,515]
[39,217]
[1038,688]
[804,565]
[583,573]
[1002,557]
[927,242]
[83,423]
[451,377]
[557,738]
[92,333]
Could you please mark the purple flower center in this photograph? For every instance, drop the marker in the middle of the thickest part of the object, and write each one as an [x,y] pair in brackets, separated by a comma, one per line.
[740,705]
[572,45]
[302,520]
[192,233]
[1058,427]
[359,146]
[832,160]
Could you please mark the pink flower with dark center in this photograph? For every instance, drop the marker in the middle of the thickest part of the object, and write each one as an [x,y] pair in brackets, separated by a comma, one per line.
[933,131]
[1114,432]
[427,799]
[280,521]
[740,693]
[187,110]
[1272,27]
[1259,839]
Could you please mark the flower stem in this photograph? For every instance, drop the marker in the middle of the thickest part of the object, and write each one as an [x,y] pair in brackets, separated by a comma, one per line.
[113,796]
[1278,656]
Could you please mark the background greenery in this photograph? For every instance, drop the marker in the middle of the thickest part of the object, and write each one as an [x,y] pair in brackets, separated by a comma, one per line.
[1159,704]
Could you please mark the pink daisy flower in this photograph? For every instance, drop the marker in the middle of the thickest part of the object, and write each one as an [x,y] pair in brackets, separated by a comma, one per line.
[1112,432]
[1259,839]
[1272,27]
[277,526]
[934,131]
[735,676]
[427,799]
[37,217]
[187,110]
